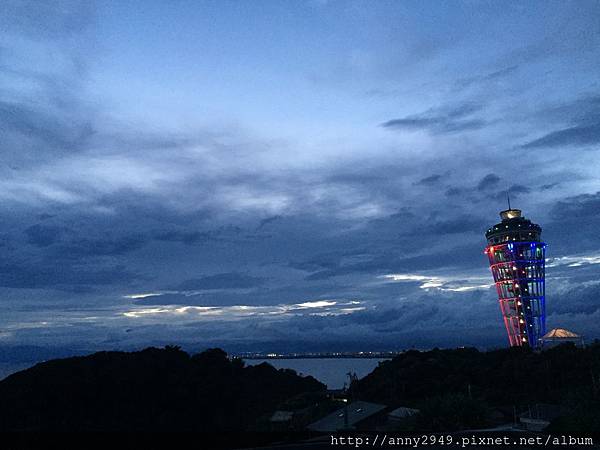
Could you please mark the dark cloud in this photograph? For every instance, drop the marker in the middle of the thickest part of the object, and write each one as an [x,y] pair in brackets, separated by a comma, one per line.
[573,136]
[53,19]
[580,297]
[226,216]
[458,225]
[489,181]
[514,191]
[573,224]
[578,121]
[232,280]
[60,276]
[318,262]
[500,73]
[430,180]
[42,113]
[263,223]
[398,323]
[396,261]
[263,294]
[578,207]
[581,111]
[185,237]
[102,246]
[44,130]
[454,191]
[488,77]
[443,120]
[517,189]
[548,186]
[42,235]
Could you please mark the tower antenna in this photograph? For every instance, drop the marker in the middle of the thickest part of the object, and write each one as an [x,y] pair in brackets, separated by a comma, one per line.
[508,198]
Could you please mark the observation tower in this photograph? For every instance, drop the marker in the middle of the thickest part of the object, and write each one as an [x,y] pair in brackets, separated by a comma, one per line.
[517,259]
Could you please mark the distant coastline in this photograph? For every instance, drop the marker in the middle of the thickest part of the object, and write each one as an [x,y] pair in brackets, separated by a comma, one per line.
[327,355]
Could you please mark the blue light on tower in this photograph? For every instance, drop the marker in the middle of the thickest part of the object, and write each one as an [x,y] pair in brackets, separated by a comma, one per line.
[517,259]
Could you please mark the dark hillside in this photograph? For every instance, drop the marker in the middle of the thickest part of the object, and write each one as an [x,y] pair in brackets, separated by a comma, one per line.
[475,382]
[154,389]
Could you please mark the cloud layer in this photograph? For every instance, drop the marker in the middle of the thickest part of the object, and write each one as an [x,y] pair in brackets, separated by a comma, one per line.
[289,189]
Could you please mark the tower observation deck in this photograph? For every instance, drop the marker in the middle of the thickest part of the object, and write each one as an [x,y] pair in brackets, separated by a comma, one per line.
[517,259]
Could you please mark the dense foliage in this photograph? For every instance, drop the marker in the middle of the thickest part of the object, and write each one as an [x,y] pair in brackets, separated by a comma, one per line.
[154,389]
[458,389]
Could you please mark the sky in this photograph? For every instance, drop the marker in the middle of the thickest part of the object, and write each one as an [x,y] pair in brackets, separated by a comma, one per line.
[290,176]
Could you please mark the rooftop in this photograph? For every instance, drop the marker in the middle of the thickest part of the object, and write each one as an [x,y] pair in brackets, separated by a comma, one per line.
[355,413]
[560,333]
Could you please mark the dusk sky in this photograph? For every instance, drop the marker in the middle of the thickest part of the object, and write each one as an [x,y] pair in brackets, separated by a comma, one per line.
[282,175]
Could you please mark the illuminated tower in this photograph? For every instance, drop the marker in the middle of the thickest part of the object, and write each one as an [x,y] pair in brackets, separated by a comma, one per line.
[517,259]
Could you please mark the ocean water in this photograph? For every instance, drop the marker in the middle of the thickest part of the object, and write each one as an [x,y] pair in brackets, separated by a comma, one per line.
[331,371]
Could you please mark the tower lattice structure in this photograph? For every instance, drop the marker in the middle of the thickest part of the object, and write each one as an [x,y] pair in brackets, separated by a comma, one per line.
[517,260]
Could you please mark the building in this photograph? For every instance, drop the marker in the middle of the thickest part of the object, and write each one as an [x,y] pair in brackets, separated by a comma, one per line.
[357,415]
[559,336]
[539,416]
[282,416]
[281,420]
[402,413]
[517,259]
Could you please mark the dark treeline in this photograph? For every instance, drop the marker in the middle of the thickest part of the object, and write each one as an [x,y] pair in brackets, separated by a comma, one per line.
[154,389]
[458,389]
[167,389]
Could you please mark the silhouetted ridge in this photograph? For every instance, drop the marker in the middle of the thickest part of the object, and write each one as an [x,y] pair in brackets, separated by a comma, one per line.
[153,389]
[461,388]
